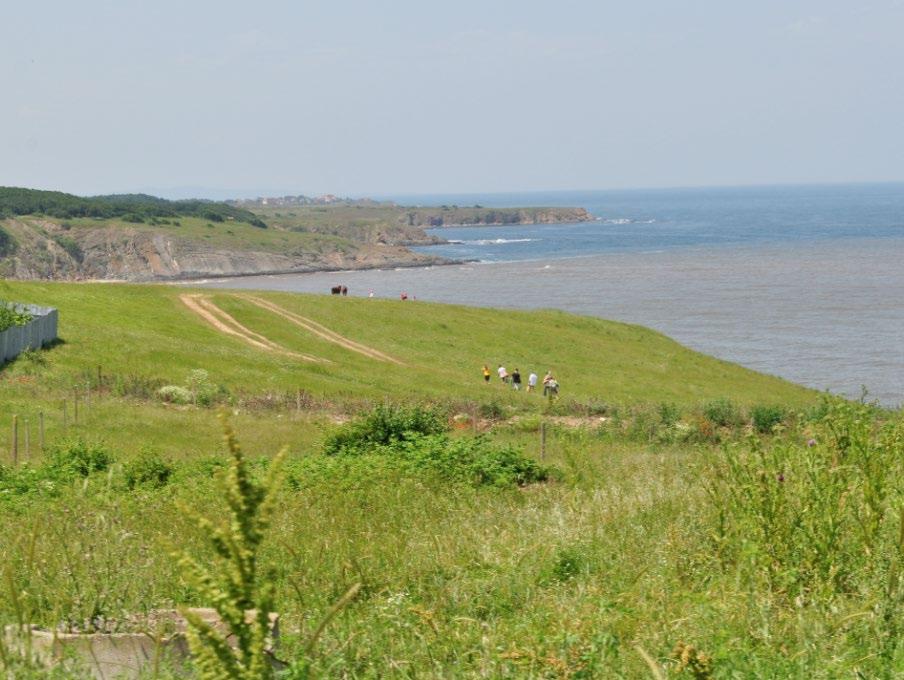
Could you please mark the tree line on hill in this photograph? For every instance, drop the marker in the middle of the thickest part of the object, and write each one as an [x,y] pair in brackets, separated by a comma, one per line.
[135,208]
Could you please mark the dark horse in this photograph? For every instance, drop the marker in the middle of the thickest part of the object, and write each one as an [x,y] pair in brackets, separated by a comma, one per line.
[337,290]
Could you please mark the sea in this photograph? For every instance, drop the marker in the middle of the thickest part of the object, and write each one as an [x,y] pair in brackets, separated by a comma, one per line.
[802,282]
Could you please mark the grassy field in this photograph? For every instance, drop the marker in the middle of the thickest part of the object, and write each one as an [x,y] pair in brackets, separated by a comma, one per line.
[228,234]
[690,502]
[143,337]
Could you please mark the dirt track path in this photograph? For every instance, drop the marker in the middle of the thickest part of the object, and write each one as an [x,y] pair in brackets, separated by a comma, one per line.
[225,323]
[322,331]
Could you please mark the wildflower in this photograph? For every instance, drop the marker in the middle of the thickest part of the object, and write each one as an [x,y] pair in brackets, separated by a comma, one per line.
[780,477]
[811,442]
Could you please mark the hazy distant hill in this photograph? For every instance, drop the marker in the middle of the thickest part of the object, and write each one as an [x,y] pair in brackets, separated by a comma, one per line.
[137,237]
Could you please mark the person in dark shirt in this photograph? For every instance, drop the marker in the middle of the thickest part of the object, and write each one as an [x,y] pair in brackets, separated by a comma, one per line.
[516,379]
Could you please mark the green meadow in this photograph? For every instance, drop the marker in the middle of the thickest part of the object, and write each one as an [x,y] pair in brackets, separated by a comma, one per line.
[669,515]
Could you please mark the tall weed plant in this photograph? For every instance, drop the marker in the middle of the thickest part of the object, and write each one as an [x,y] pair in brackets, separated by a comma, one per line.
[819,521]
[234,586]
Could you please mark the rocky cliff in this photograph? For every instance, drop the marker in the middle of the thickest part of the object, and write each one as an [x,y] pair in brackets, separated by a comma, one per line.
[46,250]
[446,216]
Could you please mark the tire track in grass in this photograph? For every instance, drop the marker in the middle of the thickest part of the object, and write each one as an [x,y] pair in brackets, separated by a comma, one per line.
[204,307]
[322,331]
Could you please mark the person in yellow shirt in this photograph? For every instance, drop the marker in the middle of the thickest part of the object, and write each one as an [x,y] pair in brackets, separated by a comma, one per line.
[486,373]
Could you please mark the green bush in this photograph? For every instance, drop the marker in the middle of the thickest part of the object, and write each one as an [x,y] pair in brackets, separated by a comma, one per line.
[385,424]
[599,408]
[147,470]
[10,316]
[568,562]
[765,418]
[71,246]
[472,460]
[204,392]
[475,461]
[79,458]
[8,244]
[491,411]
[722,413]
[669,414]
[175,394]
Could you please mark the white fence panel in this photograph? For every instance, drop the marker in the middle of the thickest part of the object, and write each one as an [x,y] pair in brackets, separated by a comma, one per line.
[40,331]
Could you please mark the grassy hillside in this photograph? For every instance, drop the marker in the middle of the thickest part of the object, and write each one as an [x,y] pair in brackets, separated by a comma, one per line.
[143,337]
[443,347]
[674,531]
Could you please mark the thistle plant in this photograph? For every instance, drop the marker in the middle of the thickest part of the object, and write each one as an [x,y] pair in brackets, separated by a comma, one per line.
[234,586]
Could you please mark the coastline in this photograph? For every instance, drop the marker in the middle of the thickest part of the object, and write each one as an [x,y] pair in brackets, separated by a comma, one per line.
[154,256]
[364,267]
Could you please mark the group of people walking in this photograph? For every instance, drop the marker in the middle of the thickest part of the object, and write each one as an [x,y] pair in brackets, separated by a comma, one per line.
[550,384]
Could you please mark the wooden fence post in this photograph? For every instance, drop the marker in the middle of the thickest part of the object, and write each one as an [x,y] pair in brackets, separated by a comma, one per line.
[27,440]
[542,440]
[15,446]
[41,430]
[75,406]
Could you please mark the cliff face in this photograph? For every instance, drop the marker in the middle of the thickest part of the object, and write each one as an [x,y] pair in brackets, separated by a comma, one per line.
[475,217]
[36,248]
[46,251]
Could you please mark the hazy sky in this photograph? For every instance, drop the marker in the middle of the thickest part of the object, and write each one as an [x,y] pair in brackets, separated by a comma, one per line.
[367,98]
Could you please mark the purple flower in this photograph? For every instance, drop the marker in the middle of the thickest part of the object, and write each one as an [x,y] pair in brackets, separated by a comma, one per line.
[811,442]
[780,477]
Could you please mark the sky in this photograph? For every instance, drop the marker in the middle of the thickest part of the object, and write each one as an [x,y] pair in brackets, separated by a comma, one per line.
[230,98]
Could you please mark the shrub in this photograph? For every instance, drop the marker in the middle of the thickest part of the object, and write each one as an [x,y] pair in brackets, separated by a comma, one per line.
[722,413]
[568,562]
[32,359]
[599,408]
[147,470]
[203,391]
[72,248]
[669,414]
[491,411]
[174,394]
[765,418]
[78,457]
[472,460]
[530,423]
[385,424]
[8,244]
[10,315]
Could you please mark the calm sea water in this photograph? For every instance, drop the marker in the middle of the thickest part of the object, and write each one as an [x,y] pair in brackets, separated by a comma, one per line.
[802,282]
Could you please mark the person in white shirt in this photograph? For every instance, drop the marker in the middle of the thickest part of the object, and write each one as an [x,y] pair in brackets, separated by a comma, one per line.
[531,381]
[503,374]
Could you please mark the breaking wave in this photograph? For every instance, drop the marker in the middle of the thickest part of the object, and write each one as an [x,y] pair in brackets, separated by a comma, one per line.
[496,241]
[626,220]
